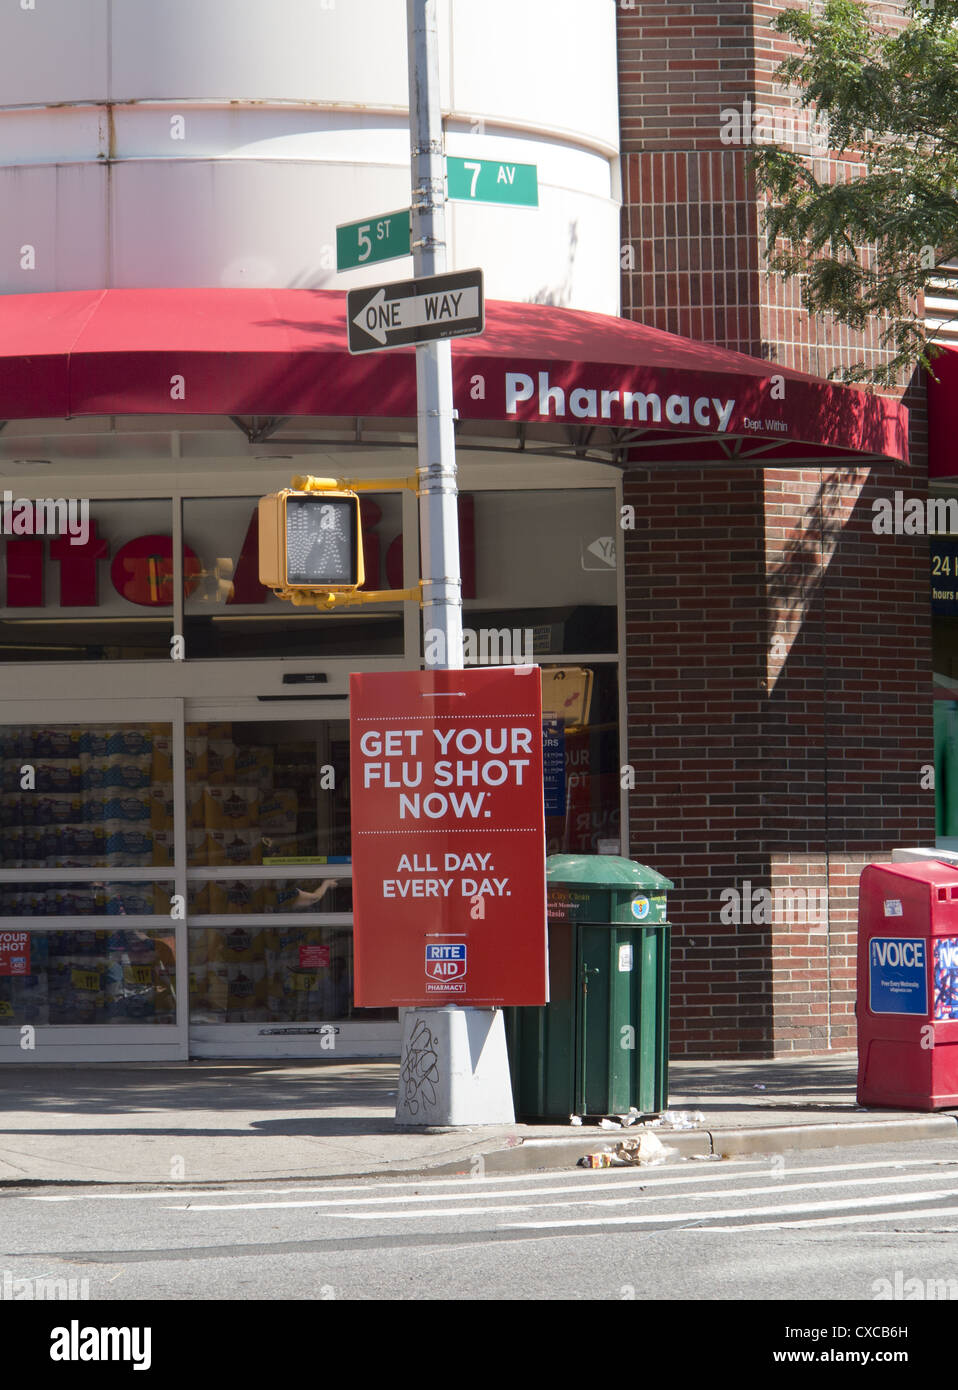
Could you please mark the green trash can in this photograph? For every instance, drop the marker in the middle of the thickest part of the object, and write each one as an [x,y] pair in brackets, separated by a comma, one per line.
[600,1046]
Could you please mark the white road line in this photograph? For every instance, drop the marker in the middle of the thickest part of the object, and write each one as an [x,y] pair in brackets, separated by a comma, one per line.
[599,1175]
[588,1199]
[788,1209]
[840,1220]
[411,1199]
[605,1176]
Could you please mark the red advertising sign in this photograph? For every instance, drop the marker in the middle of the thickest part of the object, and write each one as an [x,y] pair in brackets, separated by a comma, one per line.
[448,838]
[14,953]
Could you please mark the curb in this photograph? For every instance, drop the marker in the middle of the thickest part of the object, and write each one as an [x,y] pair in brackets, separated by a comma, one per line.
[781,1138]
[533,1154]
[563,1153]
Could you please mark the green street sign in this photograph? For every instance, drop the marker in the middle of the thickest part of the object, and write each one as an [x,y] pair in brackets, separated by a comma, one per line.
[384,237]
[492,181]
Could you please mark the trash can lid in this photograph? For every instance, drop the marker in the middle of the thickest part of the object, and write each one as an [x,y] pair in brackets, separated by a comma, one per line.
[603,871]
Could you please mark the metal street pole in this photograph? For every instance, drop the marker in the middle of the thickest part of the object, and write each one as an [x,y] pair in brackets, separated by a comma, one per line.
[471,1066]
[438,514]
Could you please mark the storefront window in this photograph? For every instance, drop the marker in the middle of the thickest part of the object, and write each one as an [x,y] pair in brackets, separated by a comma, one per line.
[268,793]
[103,592]
[273,975]
[85,899]
[581,759]
[84,977]
[943,577]
[86,797]
[536,599]
[267,832]
[230,614]
[218,896]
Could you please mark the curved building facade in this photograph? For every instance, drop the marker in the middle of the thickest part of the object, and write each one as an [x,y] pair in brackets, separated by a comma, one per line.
[220,143]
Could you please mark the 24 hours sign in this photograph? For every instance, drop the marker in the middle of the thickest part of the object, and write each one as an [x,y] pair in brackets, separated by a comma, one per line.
[448,838]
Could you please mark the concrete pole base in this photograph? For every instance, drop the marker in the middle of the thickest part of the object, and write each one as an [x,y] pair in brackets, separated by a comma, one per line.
[454,1068]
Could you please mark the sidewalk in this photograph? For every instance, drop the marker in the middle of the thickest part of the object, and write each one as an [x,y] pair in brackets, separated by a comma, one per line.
[204,1122]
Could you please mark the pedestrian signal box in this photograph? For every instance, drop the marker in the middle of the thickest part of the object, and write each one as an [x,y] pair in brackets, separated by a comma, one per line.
[311,541]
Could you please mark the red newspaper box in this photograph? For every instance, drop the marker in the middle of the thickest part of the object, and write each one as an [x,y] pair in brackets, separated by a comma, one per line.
[908,986]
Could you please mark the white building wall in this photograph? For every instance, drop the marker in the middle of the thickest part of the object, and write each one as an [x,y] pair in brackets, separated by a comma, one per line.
[941,304]
[220,142]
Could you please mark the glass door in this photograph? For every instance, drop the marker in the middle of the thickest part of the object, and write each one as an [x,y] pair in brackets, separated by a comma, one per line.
[92,906]
[269,888]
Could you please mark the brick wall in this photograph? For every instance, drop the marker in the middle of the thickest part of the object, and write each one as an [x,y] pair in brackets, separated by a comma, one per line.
[779,701]
[686,210]
[772,765]
[696,91]
[696,651]
[788,334]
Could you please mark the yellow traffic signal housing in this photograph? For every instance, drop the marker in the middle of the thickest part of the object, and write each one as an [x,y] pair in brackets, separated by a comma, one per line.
[311,541]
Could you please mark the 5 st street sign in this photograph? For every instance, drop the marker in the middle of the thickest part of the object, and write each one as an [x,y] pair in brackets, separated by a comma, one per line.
[384,237]
[415,311]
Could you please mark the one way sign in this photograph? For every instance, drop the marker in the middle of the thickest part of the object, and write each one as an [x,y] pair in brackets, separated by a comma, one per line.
[414,311]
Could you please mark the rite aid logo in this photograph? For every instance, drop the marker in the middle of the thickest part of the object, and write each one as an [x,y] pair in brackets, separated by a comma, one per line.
[446,963]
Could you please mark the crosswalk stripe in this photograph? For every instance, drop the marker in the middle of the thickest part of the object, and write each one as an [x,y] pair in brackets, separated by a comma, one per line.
[845,1220]
[589,1198]
[788,1209]
[729,1173]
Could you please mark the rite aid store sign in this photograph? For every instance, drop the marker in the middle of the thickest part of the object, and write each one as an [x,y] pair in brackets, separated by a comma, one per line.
[448,837]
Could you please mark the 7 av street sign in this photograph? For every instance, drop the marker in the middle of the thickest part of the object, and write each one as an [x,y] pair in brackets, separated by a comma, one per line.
[414,311]
[492,181]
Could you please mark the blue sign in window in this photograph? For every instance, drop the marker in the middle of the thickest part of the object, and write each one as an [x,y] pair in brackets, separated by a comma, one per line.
[898,975]
[553,766]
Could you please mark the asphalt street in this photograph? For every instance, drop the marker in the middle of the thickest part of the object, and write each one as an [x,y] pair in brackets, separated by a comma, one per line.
[853,1223]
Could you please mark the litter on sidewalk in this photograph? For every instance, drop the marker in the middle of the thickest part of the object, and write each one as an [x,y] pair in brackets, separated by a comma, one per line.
[631,1153]
[669,1119]
[677,1119]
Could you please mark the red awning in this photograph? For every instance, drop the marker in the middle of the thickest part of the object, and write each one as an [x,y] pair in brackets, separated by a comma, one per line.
[233,352]
[943,416]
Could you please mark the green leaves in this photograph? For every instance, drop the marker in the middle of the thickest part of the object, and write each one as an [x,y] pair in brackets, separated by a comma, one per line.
[865,238]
